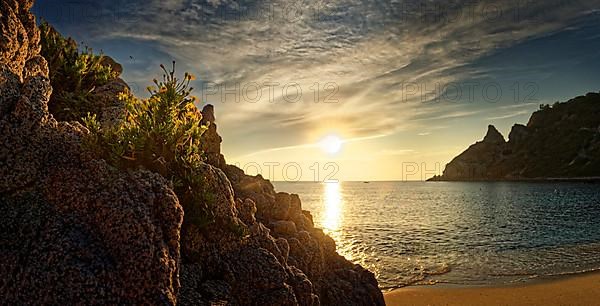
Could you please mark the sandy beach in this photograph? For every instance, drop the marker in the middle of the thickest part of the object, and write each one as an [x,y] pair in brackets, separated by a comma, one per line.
[582,290]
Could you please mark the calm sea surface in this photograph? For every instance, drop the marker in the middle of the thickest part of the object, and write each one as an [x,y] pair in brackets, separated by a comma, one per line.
[459,233]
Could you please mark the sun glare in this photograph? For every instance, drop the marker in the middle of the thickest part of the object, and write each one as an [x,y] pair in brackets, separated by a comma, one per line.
[331,144]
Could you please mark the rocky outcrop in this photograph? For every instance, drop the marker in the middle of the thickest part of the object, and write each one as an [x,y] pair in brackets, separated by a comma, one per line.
[561,141]
[518,134]
[75,230]
[278,258]
[19,40]
[72,230]
[111,109]
[493,136]
[478,160]
[212,140]
[106,96]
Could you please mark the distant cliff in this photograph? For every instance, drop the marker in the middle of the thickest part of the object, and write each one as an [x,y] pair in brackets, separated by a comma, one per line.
[559,141]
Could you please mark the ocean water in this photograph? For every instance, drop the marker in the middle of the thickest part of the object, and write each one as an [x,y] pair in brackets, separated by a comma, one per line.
[415,233]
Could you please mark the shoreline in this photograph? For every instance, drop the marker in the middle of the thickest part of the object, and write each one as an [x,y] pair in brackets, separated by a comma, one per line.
[584,179]
[575,289]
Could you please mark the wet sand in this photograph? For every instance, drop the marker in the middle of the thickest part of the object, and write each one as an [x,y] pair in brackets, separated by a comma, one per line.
[583,289]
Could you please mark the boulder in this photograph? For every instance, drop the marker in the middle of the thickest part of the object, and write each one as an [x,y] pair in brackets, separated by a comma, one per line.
[106,97]
[280,210]
[218,234]
[287,228]
[247,210]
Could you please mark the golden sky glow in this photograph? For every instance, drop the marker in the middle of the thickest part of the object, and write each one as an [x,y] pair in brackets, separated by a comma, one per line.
[357,89]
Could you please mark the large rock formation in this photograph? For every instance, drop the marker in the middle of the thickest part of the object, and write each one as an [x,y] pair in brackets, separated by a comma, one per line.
[561,141]
[277,256]
[334,279]
[72,229]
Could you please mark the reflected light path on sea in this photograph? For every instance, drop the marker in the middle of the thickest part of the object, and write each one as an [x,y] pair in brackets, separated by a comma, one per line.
[332,218]
[459,233]
[332,200]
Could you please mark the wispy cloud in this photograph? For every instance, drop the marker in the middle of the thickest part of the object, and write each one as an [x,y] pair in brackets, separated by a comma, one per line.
[521,105]
[438,115]
[356,51]
[510,115]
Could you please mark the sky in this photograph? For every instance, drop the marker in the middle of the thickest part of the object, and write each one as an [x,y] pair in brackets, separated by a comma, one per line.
[399,87]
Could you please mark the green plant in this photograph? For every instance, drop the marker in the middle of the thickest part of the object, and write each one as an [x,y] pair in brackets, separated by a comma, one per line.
[162,134]
[74,74]
[545,106]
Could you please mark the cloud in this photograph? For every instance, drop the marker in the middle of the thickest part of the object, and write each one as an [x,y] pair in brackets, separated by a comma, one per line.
[443,112]
[510,115]
[523,105]
[366,50]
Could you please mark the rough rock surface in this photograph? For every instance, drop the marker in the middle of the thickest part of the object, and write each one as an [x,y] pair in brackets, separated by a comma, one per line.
[561,141]
[72,230]
[19,38]
[493,136]
[280,259]
[112,109]
[212,140]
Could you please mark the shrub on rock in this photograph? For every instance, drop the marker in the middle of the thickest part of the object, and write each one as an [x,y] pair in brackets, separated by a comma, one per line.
[161,134]
[74,75]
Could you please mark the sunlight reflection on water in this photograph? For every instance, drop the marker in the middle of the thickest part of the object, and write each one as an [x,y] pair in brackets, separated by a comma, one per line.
[331,219]
[333,206]
[463,233]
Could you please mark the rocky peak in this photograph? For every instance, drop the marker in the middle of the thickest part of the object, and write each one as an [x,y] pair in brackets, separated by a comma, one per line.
[493,136]
[212,140]
[114,65]
[19,42]
[208,114]
[559,141]
[518,133]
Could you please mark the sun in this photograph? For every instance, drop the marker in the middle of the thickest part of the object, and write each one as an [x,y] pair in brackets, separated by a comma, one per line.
[331,144]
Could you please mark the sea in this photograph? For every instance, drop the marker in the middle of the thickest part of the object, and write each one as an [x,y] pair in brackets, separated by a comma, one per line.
[459,233]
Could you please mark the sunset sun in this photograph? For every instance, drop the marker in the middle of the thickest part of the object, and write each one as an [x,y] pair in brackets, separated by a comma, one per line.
[331,144]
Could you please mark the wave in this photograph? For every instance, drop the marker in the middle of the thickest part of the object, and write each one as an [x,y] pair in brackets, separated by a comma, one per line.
[421,278]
